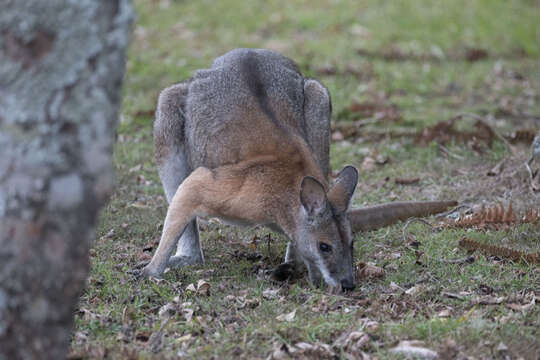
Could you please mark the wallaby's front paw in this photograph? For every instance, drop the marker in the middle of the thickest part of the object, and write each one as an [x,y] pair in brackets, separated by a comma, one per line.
[283,272]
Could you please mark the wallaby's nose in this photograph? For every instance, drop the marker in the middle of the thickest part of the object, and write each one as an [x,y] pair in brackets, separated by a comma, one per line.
[347,284]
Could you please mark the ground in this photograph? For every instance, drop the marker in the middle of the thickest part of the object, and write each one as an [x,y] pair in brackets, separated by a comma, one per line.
[394,69]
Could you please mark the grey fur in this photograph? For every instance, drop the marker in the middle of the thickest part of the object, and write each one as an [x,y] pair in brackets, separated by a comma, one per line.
[193,121]
[217,94]
[317,112]
[173,164]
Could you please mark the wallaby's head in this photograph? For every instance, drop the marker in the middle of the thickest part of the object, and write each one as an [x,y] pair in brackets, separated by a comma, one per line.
[323,235]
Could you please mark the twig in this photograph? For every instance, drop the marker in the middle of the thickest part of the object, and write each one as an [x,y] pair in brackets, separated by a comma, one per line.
[529,168]
[465,260]
[268,240]
[404,231]
[447,152]
[446,213]
[386,234]
[366,121]
[453,296]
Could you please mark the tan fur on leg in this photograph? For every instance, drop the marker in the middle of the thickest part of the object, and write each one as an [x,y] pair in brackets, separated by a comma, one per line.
[183,208]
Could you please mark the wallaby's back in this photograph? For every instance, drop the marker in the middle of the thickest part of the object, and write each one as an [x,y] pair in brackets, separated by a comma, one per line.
[249,103]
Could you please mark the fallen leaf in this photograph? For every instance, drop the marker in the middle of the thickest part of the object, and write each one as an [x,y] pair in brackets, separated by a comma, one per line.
[108,235]
[395,287]
[371,326]
[519,307]
[415,290]
[280,353]
[203,288]
[248,303]
[453,296]
[475,54]
[411,349]
[369,271]
[155,343]
[502,347]
[368,164]
[496,170]
[352,342]
[287,317]
[270,293]
[302,350]
[167,310]
[142,336]
[184,338]
[125,334]
[381,159]
[365,109]
[407,181]
[313,351]
[489,300]
[444,313]
[337,136]
[326,69]
[445,131]
[187,311]
[139,205]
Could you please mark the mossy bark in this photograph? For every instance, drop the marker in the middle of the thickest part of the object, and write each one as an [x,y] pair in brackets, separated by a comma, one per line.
[61,69]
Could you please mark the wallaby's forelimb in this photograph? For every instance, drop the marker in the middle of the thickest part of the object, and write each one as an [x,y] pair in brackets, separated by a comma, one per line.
[377,216]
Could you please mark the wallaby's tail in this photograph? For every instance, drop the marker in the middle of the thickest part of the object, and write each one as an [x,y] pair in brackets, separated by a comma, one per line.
[169,141]
[377,216]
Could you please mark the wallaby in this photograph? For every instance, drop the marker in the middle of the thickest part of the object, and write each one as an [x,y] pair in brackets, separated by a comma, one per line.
[247,141]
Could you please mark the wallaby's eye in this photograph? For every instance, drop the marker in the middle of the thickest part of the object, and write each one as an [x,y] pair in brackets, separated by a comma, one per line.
[325,247]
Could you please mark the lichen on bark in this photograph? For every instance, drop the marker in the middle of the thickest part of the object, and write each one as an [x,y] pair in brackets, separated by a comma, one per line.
[61,68]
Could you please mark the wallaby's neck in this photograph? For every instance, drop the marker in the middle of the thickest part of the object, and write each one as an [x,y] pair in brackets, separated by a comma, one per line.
[297,163]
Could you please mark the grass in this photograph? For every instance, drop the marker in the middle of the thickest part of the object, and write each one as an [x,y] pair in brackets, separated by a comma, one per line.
[428,80]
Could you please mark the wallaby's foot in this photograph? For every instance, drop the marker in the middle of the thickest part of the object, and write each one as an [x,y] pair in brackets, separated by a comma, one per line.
[284,272]
[141,265]
[148,271]
[179,261]
[143,270]
[137,270]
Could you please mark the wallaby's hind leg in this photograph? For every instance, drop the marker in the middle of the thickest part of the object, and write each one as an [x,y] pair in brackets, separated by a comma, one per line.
[183,208]
[173,165]
[205,193]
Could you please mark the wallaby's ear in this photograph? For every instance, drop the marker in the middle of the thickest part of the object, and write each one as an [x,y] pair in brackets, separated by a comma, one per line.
[342,190]
[312,196]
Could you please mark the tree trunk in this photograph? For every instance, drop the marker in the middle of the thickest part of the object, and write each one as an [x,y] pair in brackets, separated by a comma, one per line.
[61,69]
